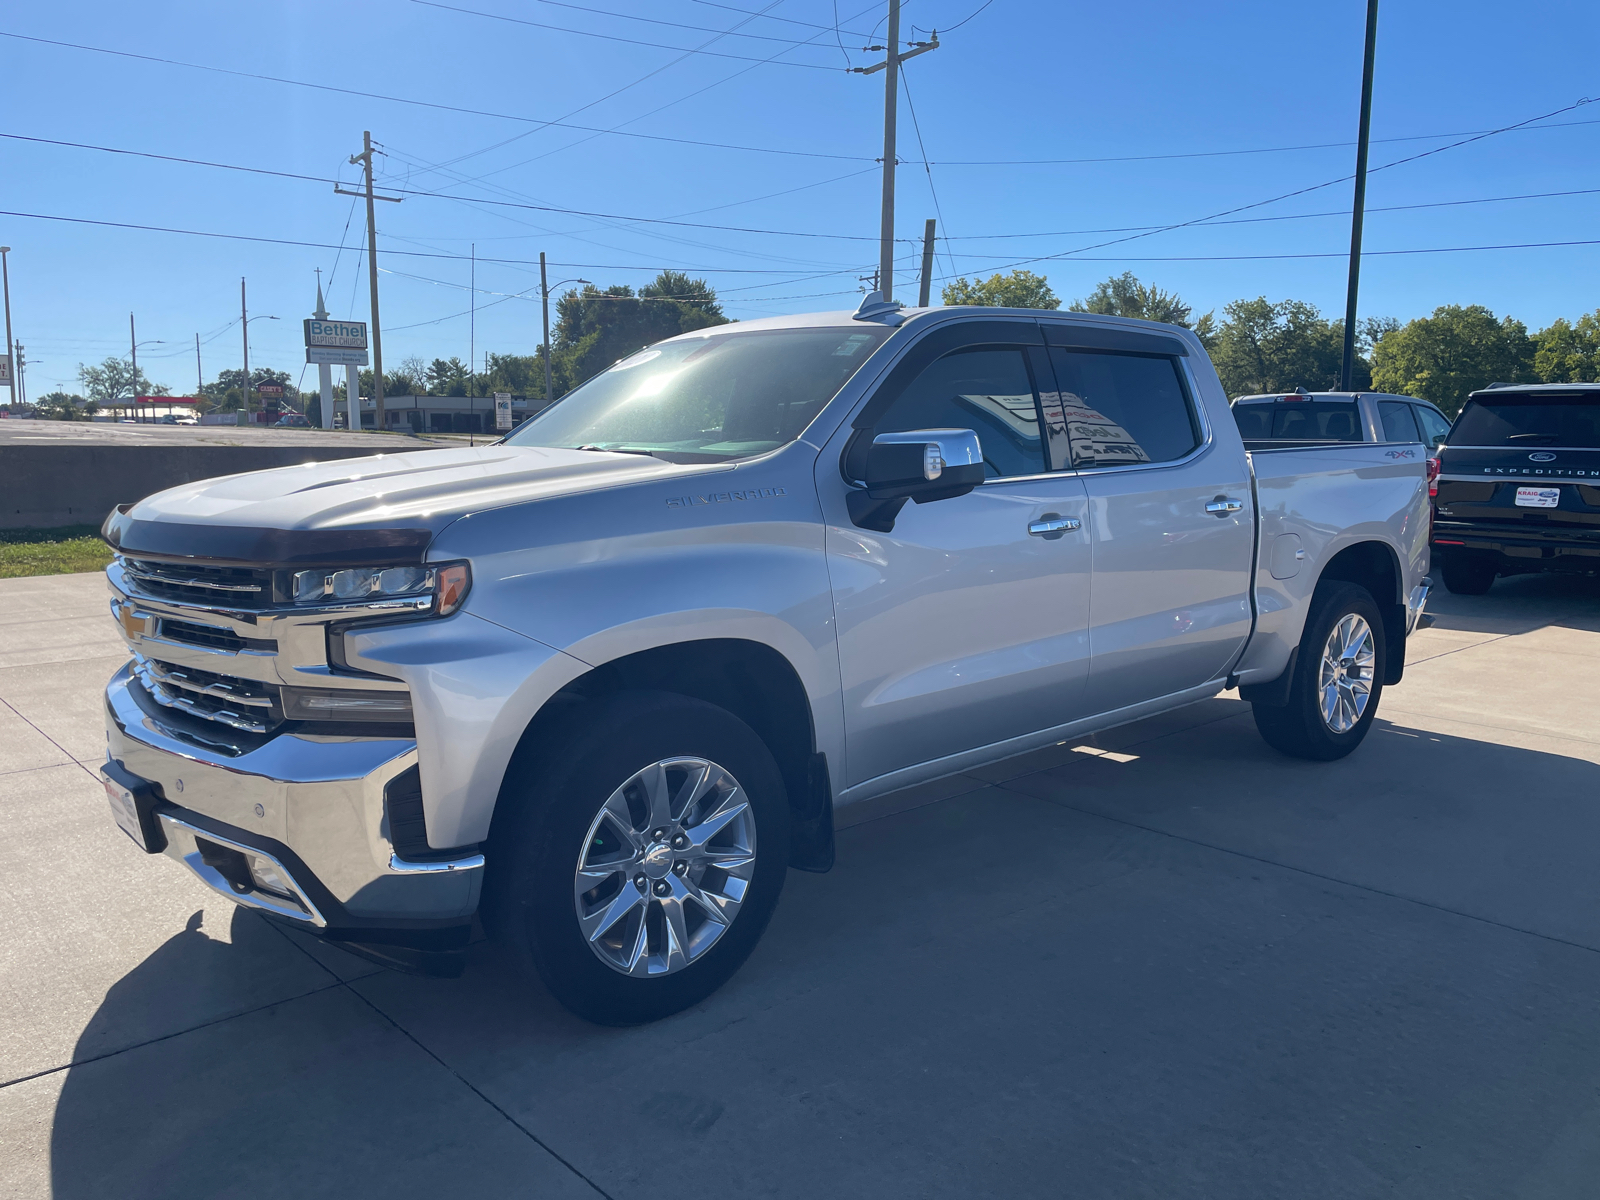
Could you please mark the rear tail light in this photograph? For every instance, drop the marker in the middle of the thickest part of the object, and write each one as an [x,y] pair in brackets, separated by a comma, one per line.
[1433,478]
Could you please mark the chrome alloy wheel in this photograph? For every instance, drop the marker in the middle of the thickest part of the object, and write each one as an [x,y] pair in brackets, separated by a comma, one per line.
[664,867]
[1345,681]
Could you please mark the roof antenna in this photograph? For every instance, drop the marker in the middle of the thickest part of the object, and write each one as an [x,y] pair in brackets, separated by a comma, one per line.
[875,308]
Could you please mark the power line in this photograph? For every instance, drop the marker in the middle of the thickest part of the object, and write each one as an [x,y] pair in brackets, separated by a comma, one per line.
[576,212]
[969,16]
[905,82]
[567,116]
[785,20]
[761,37]
[244,237]
[612,37]
[455,108]
[619,128]
[1343,212]
[1298,191]
[1119,158]
[747,271]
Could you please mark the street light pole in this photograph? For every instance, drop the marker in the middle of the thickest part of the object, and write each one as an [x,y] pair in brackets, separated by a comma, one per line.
[544,292]
[1347,366]
[244,333]
[544,295]
[133,352]
[11,350]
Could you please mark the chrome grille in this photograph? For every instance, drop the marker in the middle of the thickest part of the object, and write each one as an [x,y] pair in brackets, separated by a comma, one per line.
[231,587]
[213,637]
[238,703]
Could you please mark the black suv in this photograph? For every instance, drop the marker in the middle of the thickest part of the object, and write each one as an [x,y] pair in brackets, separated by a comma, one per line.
[1519,485]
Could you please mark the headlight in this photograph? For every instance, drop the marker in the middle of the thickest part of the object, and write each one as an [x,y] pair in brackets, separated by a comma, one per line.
[321,586]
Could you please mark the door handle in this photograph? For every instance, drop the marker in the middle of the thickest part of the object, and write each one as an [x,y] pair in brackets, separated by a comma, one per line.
[1222,506]
[1052,526]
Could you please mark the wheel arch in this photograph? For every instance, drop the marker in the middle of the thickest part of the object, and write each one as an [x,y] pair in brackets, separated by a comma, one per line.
[750,679]
[1375,565]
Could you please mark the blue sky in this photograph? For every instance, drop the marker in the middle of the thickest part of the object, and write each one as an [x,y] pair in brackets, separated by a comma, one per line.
[1021,82]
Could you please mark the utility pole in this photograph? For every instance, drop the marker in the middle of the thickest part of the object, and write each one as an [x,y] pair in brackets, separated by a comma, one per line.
[927,265]
[472,349]
[133,351]
[544,295]
[891,95]
[199,372]
[11,350]
[365,158]
[1347,368]
[244,328]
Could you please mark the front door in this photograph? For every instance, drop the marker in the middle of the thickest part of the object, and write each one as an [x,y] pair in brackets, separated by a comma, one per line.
[1170,520]
[962,628]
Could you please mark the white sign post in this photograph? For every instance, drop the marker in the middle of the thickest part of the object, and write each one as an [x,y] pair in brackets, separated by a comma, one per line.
[502,410]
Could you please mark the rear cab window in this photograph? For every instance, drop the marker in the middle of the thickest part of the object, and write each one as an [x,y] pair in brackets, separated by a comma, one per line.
[1301,421]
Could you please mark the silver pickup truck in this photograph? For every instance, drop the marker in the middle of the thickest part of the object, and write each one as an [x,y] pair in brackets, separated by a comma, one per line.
[604,681]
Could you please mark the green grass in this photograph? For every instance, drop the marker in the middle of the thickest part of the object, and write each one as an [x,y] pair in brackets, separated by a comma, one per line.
[60,551]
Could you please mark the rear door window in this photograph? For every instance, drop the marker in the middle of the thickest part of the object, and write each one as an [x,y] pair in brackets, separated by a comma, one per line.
[1530,420]
[1435,429]
[1254,420]
[1124,409]
[1398,423]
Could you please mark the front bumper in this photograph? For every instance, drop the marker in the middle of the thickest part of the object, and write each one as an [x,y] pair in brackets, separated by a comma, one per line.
[312,806]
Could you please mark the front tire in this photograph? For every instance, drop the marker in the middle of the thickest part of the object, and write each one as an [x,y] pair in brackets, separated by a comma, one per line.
[1338,678]
[638,854]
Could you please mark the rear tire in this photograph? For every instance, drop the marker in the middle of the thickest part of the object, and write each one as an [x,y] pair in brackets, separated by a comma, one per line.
[1338,678]
[581,809]
[1468,574]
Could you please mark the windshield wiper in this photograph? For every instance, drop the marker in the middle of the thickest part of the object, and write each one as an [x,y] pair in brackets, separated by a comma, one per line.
[614,450]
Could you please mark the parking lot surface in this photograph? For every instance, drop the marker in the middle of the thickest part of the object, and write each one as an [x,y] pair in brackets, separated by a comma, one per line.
[106,433]
[1193,968]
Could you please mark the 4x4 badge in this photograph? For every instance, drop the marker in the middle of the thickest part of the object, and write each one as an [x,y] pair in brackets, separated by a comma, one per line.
[1542,456]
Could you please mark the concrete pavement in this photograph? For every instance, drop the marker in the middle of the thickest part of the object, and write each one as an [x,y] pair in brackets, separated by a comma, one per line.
[1191,969]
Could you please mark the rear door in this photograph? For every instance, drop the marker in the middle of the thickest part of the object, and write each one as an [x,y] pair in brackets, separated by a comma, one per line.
[1171,518]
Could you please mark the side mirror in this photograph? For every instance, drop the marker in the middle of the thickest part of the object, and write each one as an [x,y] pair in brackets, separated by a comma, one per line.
[920,464]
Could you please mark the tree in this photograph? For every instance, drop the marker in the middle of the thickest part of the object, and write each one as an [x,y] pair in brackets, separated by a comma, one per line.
[447,377]
[596,328]
[227,392]
[1455,351]
[59,406]
[1568,353]
[1125,296]
[114,380]
[1019,289]
[1267,347]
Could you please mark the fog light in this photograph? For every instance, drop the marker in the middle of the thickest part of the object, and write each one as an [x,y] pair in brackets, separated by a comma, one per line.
[268,878]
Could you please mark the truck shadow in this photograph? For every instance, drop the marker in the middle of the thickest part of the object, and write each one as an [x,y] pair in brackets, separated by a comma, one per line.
[1175,894]
[1520,604]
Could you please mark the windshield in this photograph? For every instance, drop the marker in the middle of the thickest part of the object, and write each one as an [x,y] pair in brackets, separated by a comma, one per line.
[707,399]
[1530,420]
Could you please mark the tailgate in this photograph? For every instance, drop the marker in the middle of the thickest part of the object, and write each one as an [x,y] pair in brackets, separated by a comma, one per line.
[1517,488]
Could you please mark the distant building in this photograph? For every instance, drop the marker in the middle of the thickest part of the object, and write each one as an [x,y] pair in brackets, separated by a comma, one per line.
[440,414]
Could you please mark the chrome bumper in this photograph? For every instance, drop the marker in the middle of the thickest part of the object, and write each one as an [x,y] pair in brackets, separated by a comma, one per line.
[311,804]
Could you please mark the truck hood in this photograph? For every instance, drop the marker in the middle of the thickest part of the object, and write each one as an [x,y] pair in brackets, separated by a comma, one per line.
[386,506]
